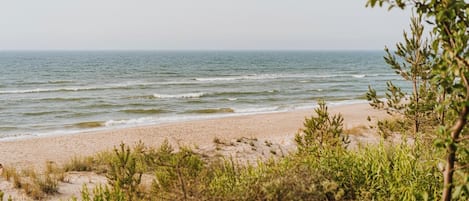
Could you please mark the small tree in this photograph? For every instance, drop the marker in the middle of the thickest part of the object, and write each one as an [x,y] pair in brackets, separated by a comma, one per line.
[321,131]
[123,173]
[413,64]
[177,174]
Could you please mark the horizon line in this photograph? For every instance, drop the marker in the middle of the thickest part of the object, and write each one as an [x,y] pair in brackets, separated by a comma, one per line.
[180,50]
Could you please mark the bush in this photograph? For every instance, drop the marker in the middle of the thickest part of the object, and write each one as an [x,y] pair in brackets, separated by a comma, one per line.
[401,172]
[321,131]
[123,172]
[103,193]
[177,175]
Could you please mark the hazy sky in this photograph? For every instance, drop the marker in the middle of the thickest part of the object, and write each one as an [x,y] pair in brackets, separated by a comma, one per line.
[197,24]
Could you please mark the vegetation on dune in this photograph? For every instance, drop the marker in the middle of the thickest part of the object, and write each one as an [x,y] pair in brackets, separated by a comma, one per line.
[35,184]
[323,169]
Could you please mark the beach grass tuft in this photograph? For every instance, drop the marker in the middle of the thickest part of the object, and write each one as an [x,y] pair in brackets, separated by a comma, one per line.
[36,184]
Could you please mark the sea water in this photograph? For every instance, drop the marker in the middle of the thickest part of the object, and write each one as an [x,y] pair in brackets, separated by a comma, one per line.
[60,92]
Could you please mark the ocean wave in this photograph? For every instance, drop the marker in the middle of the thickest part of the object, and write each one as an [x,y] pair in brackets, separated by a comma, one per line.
[76,88]
[185,95]
[239,93]
[242,77]
[195,95]
[59,99]
[64,89]
[136,121]
[76,114]
[89,124]
[26,82]
[178,83]
[39,90]
[257,110]
[144,111]
[359,76]
[99,105]
[7,128]
[212,111]
[341,75]
[60,81]
[40,113]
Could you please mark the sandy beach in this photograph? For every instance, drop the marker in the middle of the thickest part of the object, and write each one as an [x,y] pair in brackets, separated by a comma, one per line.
[277,127]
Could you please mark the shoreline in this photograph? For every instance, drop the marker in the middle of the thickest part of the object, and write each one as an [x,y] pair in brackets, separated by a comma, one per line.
[279,126]
[105,128]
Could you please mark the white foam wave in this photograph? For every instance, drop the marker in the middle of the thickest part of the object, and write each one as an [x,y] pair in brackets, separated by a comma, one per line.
[60,81]
[339,75]
[243,77]
[186,95]
[257,110]
[39,90]
[137,121]
[359,76]
[76,88]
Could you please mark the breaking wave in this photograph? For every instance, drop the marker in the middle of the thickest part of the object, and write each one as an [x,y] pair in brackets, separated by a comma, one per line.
[185,95]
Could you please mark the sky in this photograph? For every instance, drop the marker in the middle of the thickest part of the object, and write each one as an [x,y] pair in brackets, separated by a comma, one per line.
[198,25]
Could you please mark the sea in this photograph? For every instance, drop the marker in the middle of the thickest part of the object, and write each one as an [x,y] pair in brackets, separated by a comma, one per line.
[63,92]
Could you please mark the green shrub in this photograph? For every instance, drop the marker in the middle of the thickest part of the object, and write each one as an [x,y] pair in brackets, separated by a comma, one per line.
[177,175]
[401,172]
[123,173]
[103,193]
[321,131]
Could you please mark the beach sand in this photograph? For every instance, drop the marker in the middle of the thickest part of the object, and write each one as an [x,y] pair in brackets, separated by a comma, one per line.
[279,128]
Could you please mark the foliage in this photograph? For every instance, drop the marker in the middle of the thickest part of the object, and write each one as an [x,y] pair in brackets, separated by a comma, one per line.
[178,175]
[103,193]
[321,131]
[389,127]
[403,172]
[449,20]
[412,61]
[123,173]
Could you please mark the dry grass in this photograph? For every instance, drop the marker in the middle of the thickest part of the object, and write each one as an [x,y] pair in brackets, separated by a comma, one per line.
[79,164]
[36,185]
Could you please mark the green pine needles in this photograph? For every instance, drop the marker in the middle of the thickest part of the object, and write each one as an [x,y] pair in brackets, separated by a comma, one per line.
[321,131]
